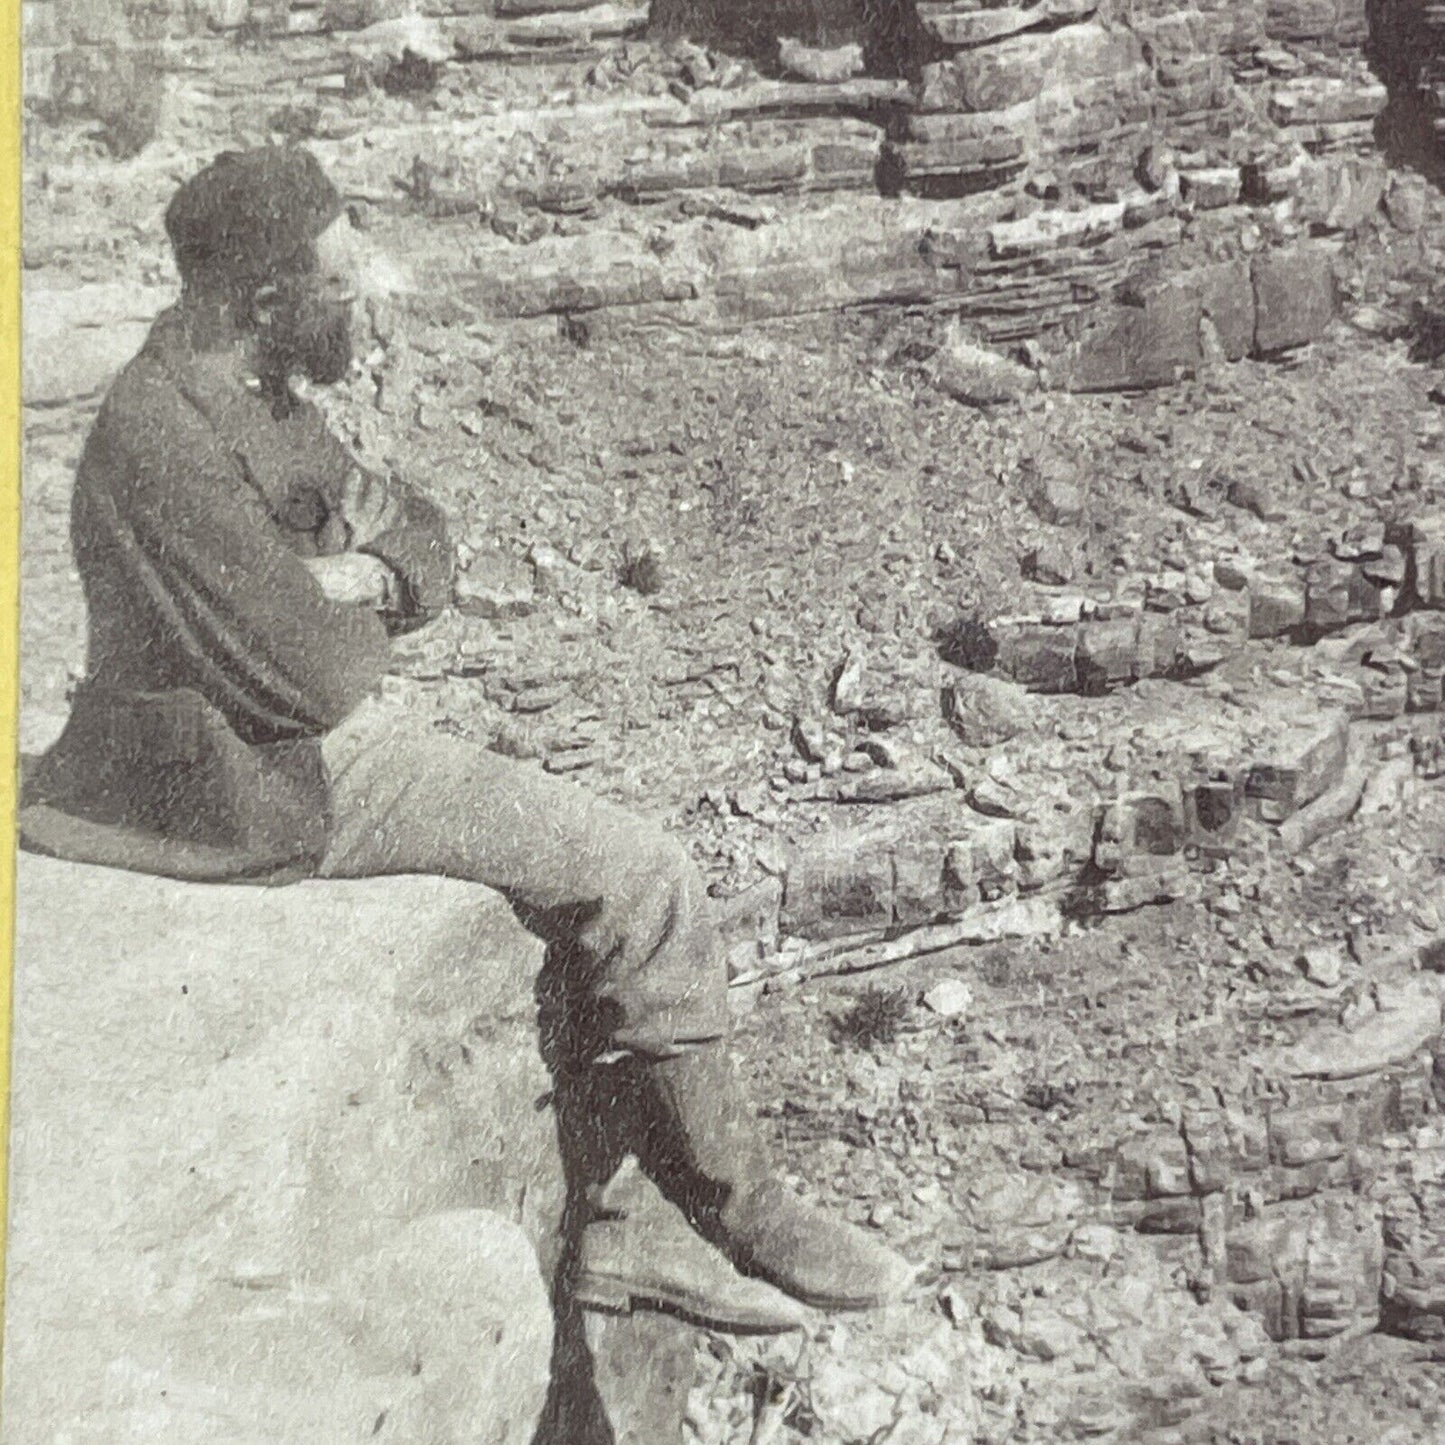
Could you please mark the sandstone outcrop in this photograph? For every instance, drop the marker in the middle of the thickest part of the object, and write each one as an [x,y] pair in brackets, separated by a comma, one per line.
[283,1165]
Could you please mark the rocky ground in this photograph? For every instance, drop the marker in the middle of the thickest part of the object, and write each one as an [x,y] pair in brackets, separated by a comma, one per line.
[1147,1091]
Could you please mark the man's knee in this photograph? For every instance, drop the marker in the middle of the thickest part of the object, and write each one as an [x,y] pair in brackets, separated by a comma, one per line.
[663,862]
[659,875]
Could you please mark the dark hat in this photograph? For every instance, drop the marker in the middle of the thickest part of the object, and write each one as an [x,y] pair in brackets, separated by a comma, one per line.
[251,214]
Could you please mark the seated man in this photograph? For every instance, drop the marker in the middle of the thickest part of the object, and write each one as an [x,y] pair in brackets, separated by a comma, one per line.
[242,573]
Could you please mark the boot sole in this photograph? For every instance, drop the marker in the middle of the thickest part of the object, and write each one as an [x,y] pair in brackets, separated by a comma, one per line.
[618,1297]
[849,1304]
[832,1304]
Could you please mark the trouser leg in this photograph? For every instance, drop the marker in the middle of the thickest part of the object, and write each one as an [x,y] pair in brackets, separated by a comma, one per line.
[622,908]
[635,966]
[691,1133]
[696,1140]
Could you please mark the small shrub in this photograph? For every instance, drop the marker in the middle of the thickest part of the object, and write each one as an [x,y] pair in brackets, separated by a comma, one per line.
[411,75]
[965,640]
[875,1017]
[735,509]
[641,570]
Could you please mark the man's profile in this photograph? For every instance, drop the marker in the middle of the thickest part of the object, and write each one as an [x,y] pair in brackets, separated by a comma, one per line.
[242,574]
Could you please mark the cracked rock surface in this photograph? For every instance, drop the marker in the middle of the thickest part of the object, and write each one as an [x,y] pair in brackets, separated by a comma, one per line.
[1054,709]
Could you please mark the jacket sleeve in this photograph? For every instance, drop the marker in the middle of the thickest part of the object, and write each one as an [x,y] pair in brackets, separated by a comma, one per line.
[417,548]
[278,656]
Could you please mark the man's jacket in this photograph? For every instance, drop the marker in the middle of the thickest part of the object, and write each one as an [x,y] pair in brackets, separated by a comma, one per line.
[215,662]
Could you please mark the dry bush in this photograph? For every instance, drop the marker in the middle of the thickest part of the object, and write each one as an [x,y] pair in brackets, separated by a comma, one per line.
[876,1016]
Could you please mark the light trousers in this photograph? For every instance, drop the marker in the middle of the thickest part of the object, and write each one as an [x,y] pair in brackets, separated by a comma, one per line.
[615,898]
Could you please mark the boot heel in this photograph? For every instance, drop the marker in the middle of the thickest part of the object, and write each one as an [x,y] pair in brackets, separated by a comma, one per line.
[607,1295]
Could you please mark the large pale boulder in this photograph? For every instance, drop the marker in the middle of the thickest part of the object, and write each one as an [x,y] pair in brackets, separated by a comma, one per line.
[281,1164]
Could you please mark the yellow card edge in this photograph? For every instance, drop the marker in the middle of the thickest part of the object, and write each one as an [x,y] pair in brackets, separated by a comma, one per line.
[10,192]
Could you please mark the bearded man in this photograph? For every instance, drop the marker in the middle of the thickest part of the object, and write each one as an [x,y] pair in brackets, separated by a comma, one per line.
[242,575]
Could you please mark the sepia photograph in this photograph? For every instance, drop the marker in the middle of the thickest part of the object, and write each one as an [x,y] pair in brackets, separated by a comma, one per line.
[730,723]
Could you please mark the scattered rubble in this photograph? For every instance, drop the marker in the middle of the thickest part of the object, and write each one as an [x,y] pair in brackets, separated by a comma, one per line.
[1100,732]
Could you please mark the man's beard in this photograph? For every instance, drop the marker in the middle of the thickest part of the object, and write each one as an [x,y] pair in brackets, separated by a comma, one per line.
[308,334]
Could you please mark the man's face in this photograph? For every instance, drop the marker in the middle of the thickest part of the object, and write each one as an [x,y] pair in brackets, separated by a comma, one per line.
[305,329]
[306,317]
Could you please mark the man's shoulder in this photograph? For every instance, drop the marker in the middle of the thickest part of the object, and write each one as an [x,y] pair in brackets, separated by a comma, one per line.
[146,406]
[146,435]
[139,385]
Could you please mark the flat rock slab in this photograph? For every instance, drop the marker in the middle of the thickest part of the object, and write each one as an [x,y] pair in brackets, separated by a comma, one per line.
[280,1170]
[78,339]
[1408,1020]
[953,24]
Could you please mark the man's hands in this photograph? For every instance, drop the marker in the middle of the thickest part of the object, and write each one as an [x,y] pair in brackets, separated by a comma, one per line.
[357,578]
[368,507]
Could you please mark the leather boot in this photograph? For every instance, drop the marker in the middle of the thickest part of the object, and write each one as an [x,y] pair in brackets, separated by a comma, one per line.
[639,1252]
[695,1143]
